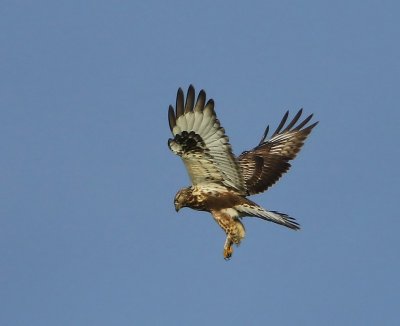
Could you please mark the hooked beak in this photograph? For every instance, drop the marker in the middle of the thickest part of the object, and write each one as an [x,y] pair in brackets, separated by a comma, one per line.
[177,207]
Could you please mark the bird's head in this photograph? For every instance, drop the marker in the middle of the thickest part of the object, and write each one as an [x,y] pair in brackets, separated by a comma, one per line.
[181,198]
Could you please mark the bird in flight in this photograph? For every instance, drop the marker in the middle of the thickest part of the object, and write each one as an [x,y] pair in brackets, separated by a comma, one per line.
[221,181]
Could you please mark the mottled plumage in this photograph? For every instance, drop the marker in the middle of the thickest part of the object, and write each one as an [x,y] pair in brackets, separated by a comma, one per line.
[220,180]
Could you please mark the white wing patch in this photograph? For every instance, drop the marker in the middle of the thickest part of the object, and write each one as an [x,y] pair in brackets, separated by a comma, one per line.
[202,144]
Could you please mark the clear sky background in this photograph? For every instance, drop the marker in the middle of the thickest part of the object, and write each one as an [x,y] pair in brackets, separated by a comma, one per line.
[88,230]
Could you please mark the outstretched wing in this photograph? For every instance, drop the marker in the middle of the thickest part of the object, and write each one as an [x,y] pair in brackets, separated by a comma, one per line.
[264,165]
[201,142]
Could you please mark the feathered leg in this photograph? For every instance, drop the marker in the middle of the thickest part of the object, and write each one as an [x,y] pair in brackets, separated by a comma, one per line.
[229,221]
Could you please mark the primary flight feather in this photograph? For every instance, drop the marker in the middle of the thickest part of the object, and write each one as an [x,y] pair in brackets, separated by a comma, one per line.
[220,180]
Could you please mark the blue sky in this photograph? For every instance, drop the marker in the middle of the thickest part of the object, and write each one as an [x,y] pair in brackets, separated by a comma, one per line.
[88,231]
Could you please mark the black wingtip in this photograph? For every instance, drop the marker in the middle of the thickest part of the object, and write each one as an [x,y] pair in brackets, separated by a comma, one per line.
[283,121]
[190,97]
[179,93]
[264,135]
[210,104]
[179,103]
[313,125]
[201,100]
[305,121]
[294,120]
[171,118]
